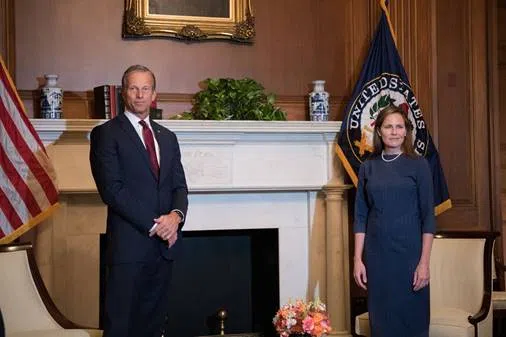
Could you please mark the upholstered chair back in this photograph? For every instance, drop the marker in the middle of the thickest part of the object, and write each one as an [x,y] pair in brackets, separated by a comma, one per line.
[456,270]
[27,308]
[22,307]
[461,283]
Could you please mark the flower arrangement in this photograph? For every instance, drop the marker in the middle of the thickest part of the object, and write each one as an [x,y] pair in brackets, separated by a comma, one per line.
[303,318]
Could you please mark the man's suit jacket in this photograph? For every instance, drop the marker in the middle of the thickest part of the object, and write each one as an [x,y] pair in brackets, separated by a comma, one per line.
[129,188]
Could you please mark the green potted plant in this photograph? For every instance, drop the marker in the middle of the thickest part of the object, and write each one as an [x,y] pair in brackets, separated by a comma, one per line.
[233,99]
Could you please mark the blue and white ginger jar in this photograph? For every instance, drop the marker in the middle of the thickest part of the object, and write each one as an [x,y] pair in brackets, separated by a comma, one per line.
[319,102]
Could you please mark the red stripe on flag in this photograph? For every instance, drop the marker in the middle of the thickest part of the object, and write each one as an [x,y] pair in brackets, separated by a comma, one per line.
[9,86]
[20,185]
[14,220]
[26,153]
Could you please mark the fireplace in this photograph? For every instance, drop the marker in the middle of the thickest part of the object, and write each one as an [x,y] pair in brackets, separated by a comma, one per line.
[235,270]
[242,176]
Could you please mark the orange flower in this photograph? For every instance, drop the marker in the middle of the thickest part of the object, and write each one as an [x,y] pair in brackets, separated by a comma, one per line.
[302,317]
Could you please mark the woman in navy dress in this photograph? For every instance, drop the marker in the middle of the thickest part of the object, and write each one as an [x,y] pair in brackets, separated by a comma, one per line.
[394,228]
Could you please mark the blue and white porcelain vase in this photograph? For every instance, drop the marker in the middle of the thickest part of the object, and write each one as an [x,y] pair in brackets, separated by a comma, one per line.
[319,102]
[51,98]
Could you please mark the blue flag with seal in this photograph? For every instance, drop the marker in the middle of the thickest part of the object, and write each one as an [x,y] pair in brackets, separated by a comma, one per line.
[383,81]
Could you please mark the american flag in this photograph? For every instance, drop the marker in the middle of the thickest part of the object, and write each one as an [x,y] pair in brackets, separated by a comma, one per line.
[28,192]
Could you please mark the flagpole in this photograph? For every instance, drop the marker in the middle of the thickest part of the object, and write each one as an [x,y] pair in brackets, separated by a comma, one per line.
[383,4]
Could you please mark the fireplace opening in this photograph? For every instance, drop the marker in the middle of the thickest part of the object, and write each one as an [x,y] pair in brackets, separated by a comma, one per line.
[235,270]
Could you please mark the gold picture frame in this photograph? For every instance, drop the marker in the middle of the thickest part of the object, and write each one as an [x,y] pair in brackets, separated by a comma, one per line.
[190,20]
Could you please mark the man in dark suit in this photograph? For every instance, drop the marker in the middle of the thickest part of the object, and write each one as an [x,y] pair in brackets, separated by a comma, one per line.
[136,164]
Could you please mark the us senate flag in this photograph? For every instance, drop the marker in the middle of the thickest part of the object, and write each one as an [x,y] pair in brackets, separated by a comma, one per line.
[382,82]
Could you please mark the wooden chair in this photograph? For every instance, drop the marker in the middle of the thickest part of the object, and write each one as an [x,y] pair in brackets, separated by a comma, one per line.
[460,285]
[27,308]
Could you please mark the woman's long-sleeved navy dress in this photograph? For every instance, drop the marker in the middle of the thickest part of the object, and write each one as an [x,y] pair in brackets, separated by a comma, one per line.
[394,207]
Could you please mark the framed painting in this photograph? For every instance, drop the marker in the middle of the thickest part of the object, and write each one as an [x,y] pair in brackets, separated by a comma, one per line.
[190,20]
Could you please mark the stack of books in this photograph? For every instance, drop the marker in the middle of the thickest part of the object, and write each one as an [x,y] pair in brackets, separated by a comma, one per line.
[108,101]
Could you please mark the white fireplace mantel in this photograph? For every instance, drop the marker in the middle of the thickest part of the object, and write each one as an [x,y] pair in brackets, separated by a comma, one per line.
[55,126]
[241,175]
[218,155]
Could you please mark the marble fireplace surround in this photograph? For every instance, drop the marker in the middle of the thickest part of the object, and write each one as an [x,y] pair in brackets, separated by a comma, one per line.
[241,175]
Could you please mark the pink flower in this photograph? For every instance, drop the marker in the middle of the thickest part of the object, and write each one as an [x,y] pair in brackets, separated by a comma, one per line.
[302,317]
[308,324]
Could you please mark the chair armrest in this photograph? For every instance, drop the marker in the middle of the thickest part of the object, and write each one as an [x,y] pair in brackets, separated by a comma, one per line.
[483,312]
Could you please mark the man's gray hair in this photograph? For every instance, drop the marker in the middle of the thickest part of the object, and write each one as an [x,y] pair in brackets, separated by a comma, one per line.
[134,68]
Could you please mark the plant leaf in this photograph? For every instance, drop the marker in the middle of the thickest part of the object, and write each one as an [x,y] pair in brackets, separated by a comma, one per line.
[239,99]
